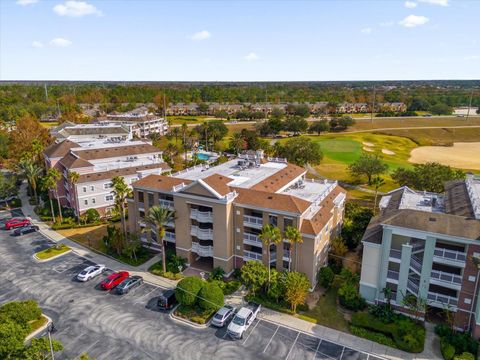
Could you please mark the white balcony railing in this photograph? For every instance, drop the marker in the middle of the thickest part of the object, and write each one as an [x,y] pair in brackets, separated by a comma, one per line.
[443,300]
[446,277]
[202,250]
[251,239]
[394,275]
[450,254]
[252,221]
[166,204]
[169,236]
[250,255]
[415,264]
[201,216]
[396,254]
[202,234]
[412,286]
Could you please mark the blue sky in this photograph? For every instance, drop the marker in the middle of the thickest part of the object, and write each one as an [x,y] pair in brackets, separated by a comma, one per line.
[239,40]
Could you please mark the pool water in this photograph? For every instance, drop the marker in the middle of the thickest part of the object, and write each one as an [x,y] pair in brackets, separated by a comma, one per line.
[202,156]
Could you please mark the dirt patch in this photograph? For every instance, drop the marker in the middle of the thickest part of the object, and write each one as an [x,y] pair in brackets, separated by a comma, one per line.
[367,149]
[368,144]
[351,261]
[313,297]
[88,236]
[461,155]
[388,152]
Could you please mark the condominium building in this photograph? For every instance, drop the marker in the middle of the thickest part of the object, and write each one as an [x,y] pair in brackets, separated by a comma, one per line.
[221,210]
[80,133]
[427,245]
[140,124]
[97,162]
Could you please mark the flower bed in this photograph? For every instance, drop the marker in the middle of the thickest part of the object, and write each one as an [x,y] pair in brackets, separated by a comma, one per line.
[52,251]
[194,314]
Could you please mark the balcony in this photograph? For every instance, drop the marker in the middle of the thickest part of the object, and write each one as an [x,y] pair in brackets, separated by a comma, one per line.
[446,278]
[201,216]
[166,204]
[450,256]
[204,251]
[169,236]
[250,255]
[273,257]
[395,255]
[252,221]
[416,265]
[441,301]
[202,234]
[250,239]
[393,275]
[413,286]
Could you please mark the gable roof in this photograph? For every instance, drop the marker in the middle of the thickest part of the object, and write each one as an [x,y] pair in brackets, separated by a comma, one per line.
[108,152]
[457,200]
[160,182]
[70,161]
[104,175]
[218,183]
[268,200]
[281,178]
[60,149]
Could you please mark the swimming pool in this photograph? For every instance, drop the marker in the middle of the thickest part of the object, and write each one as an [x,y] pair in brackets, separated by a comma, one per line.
[203,156]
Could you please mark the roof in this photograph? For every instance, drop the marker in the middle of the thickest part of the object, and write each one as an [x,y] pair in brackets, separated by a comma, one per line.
[108,152]
[60,149]
[281,178]
[93,130]
[160,182]
[218,183]
[70,161]
[457,200]
[268,200]
[104,175]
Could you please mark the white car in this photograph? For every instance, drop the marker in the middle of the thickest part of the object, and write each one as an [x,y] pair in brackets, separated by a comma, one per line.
[90,272]
[242,320]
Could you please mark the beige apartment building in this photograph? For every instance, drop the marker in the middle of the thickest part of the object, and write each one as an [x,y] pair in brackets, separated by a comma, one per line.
[220,212]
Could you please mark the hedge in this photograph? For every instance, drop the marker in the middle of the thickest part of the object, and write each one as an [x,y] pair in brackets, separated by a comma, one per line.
[373,336]
[447,349]
[211,297]
[76,226]
[187,290]
[464,356]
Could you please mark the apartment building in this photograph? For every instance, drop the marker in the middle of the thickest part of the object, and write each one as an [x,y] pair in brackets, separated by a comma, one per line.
[97,162]
[220,212]
[140,124]
[79,133]
[428,245]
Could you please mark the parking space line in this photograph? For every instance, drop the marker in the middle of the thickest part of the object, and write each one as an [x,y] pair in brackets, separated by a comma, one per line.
[88,348]
[141,297]
[251,331]
[341,355]
[278,327]
[316,350]
[298,334]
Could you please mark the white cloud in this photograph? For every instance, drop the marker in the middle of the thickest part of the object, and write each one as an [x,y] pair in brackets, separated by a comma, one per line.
[26,2]
[73,8]
[60,42]
[436,2]
[366,30]
[414,20]
[251,57]
[37,44]
[410,4]
[387,23]
[201,35]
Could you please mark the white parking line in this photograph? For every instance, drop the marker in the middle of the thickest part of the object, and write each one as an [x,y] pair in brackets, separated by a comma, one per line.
[278,327]
[141,297]
[298,334]
[88,348]
[316,350]
[251,332]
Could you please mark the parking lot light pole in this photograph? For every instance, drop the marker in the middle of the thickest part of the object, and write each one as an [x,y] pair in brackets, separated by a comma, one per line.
[51,345]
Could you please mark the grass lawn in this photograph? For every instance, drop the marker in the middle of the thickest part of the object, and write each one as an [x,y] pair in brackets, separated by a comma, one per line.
[91,237]
[440,136]
[179,120]
[326,312]
[53,251]
[194,314]
[37,324]
[49,124]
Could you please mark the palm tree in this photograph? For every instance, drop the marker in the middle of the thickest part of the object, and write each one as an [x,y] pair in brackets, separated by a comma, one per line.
[55,176]
[157,218]
[377,182]
[184,134]
[73,176]
[32,173]
[237,142]
[176,134]
[293,236]
[122,191]
[270,235]
[47,184]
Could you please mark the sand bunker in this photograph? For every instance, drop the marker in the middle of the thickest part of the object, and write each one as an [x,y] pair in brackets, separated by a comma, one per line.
[367,149]
[388,152]
[461,155]
[367,144]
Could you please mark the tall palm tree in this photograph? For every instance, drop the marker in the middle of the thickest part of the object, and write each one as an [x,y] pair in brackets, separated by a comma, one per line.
[157,218]
[377,182]
[55,175]
[32,173]
[47,184]
[237,142]
[184,141]
[73,177]
[270,235]
[293,236]
[122,192]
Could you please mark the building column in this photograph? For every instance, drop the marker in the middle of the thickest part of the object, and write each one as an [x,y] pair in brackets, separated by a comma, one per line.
[386,245]
[404,270]
[426,267]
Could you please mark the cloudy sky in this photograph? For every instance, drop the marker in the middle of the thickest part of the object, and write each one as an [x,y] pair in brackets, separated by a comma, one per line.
[239,40]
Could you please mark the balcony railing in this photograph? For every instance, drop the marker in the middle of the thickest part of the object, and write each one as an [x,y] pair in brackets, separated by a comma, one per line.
[446,277]
[413,286]
[250,255]
[169,236]
[252,221]
[397,254]
[202,250]
[416,264]
[201,216]
[202,234]
[166,204]
[444,300]
[450,254]
[251,239]
[394,275]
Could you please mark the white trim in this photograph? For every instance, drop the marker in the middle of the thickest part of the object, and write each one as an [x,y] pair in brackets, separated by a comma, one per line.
[278,212]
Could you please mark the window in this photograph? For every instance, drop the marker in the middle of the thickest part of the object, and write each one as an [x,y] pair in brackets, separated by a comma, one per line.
[84,189]
[272,219]
[150,199]
[92,188]
[85,202]
[286,223]
[141,213]
[109,198]
[108,185]
[140,197]
[93,200]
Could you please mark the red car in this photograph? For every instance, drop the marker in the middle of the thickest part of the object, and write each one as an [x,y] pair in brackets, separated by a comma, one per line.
[114,279]
[16,222]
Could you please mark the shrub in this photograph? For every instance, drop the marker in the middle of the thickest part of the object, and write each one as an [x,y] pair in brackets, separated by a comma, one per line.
[20,312]
[382,312]
[325,277]
[237,274]
[228,287]
[350,298]
[447,349]
[254,275]
[92,215]
[217,273]
[373,336]
[443,330]
[175,263]
[187,290]
[464,356]
[462,342]
[210,296]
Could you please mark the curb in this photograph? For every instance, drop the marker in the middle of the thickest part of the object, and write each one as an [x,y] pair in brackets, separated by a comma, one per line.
[51,258]
[187,322]
[39,330]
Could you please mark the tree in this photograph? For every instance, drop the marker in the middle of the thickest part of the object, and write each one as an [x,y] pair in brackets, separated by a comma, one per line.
[300,151]
[355,222]
[368,165]
[203,108]
[270,235]
[296,289]
[12,337]
[237,142]
[294,237]
[48,183]
[326,276]
[55,175]
[276,288]
[377,182]
[92,215]
[175,133]
[73,177]
[157,218]
[254,275]
[26,131]
[387,292]
[319,127]
[187,290]
[441,109]
[39,349]
[132,245]
[211,296]
[296,124]
[275,125]
[8,186]
[277,114]
[338,247]
[416,305]
[32,172]
[345,121]
[215,130]
[122,192]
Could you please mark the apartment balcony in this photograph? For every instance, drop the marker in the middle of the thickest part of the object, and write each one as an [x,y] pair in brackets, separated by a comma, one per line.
[441,301]
[252,221]
[166,204]
[201,216]
[141,206]
[395,255]
[202,234]
[413,286]
[203,251]
[446,279]
[392,276]
[250,239]
[416,265]
[449,257]
[170,236]
[250,255]
[273,257]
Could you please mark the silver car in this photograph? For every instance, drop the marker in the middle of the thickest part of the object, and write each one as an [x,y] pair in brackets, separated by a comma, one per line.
[90,272]
[223,316]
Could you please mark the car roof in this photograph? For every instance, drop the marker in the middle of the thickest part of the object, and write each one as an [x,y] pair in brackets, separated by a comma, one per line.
[167,293]
[224,310]
[244,312]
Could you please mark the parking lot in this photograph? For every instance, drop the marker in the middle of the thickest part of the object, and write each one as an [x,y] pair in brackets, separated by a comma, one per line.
[130,326]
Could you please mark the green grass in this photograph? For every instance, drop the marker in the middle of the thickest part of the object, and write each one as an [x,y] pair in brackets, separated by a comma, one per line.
[38,323]
[49,124]
[53,251]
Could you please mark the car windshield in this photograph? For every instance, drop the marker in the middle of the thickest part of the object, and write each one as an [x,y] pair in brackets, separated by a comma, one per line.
[218,316]
[83,272]
[238,321]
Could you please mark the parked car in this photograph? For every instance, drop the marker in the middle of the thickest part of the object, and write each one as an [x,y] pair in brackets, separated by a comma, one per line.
[242,320]
[223,315]
[16,223]
[25,230]
[128,284]
[91,272]
[114,280]
[167,300]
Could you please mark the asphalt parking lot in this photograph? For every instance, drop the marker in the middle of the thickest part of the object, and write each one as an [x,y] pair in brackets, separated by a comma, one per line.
[130,326]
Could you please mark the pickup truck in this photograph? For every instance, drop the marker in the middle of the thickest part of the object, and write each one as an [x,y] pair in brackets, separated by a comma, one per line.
[242,320]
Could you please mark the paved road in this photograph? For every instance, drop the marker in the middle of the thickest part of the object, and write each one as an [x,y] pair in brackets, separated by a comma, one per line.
[109,326]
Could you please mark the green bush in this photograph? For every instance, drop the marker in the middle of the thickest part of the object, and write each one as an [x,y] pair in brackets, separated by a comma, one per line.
[373,336]
[175,263]
[92,215]
[443,330]
[447,349]
[462,342]
[382,312]
[325,277]
[20,312]
[350,298]
[69,225]
[210,296]
[187,290]
[464,356]
[194,313]
[228,287]
[217,273]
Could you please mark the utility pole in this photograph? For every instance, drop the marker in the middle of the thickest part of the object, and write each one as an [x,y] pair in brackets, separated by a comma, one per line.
[469,105]
[373,105]
[51,345]
[46,92]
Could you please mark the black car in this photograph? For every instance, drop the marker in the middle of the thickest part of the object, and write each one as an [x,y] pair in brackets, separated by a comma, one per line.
[128,284]
[167,300]
[25,230]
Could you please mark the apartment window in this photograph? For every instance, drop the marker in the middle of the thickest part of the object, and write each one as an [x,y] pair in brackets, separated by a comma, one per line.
[93,200]
[108,185]
[140,197]
[109,198]
[84,189]
[150,199]
[272,219]
[92,188]
[85,202]
[286,223]
[141,213]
